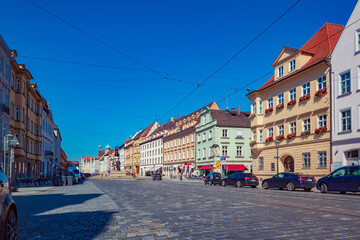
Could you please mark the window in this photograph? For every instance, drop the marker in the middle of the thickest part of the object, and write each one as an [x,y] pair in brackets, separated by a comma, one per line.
[198,152]
[210,134]
[23,87]
[357,40]
[270,102]
[281,130]
[188,139]
[239,133]
[180,154]
[345,83]
[281,98]
[12,110]
[198,138]
[17,113]
[260,107]
[345,120]
[292,65]
[224,150]
[184,154]
[280,71]
[210,152]
[292,127]
[17,88]
[175,142]
[254,135]
[204,136]
[188,153]
[224,132]
[171,143]
[306,125]
[322,121]
[306,89]
[322,159]
[261,163]
[306,160]
[239,151]
[192,153]
[270,132]
[292,94]
[192,138]
[253,109]
[204,153]
[272,166]
[321,82]
[183,141]
[261,135]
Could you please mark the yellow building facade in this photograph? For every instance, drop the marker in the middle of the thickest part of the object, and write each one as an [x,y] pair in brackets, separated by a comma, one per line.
[293,107]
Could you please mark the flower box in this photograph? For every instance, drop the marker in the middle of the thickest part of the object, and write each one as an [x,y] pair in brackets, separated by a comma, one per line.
[252,143]
[320,130]
[280,137]
[280,106]
[269,110]
[269,139]
[321,92]
[304,98]
[252,115]
[305,133]
[291,103]
[291,135]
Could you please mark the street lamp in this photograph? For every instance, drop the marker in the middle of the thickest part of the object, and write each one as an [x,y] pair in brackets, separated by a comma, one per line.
[9,140]
[277,142]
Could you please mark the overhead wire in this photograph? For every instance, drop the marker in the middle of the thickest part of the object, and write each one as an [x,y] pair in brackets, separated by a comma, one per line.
[231,59]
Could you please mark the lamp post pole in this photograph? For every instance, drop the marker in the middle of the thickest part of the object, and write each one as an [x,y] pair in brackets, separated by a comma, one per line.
[277,142]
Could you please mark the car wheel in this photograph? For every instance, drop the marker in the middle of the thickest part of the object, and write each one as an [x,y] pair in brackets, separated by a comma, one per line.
[290,186]
[265,185]
[323,188]
[11,226]
[238,184]
[223,183]
[307,189]
[342,192]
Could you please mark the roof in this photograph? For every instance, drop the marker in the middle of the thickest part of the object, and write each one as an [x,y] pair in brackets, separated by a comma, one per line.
[138,135]
[231,118]
[320,45]
[147,130]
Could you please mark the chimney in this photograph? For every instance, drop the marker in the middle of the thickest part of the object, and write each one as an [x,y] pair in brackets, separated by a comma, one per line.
[238,110]
[161,124]
[178,116]
[168,120]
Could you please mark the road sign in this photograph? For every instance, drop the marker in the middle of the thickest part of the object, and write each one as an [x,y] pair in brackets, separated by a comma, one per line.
[218,165]
[276,157]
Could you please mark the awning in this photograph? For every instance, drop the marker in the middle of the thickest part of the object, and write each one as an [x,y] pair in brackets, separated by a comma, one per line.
[239,167]
[155,168]
[206,167]
[148,169]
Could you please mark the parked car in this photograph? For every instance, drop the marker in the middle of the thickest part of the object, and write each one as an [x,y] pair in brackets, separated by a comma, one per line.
[240,179]
[77,175]
[8,211]
[157,176]
[344,179]
[213,178]
[291,181]
[75,179]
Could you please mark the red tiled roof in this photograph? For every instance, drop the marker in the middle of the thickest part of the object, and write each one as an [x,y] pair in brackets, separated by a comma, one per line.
[147,130]
[320,45]
[230,118]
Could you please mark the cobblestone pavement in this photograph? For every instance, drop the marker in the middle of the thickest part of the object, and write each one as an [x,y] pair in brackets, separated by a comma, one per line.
[185,210]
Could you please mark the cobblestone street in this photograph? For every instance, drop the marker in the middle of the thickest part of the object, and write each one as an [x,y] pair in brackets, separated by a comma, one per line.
[184,210]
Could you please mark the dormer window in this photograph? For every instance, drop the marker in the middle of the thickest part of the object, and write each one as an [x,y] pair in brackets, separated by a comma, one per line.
[280,71]
[292,65]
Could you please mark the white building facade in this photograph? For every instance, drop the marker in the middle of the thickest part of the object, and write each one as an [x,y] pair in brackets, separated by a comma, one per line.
[47,143]
[122,157]
[345,93]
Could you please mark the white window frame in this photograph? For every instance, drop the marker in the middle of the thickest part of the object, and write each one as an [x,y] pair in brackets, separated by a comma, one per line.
[270,102]
[253,109]
[306,160]
[292,94]
[292,127]
[210,134]
[204,153]
[346,82]
[224,150]
[204,136]
[261,163]
[281,98]
[321,83]
[292,65]
[239,151]
[306,124]
[280,71]
[281,129]
[322,159]
[260,107]
[357,40]
[306,88]
[17,113]
[239,133]
[254,135]
[261,136]
[348,118]
[270,132]
[224,133]
[322,122]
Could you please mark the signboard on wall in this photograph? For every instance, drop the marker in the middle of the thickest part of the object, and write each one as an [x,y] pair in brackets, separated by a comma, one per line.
[217,165]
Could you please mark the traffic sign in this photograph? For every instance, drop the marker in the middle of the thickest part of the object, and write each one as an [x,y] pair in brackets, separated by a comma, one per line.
[276,157]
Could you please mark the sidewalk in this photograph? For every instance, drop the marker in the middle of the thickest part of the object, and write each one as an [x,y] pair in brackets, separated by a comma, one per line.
[31,190]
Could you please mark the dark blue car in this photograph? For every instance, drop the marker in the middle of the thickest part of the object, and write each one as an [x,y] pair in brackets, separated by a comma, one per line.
[344,179]
[291,181]
[240,179]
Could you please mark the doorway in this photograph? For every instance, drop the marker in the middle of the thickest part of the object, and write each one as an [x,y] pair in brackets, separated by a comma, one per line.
[289,164]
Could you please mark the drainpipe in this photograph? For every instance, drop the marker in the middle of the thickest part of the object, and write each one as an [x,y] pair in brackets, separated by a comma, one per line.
[327,60]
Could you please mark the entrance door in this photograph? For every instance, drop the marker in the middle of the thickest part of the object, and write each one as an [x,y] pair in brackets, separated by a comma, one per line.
[289,164]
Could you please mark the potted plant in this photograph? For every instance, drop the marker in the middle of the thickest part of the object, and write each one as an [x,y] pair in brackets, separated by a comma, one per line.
[304,133]
[280,106]
[269,139]
[280,137]
[269,110]
[305,97]
[320,130]
[252,115]
[321,92]
[291,135]
[292,103]
[252,143]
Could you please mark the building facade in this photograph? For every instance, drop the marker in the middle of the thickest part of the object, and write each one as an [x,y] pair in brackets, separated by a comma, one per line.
[345,94]
[293,107]
[222,141]
[179,144]
[47,142]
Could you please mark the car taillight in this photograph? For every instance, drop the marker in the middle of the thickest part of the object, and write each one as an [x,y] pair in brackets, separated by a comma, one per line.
[247,178]
[257,179]
[301,179]
[314,179]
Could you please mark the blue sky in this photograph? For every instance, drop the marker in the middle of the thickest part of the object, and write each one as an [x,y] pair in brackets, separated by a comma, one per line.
[184,40]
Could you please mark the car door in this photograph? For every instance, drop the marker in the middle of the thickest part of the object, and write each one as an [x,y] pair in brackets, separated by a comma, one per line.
[233,178]
[273,181]
[283,180]
[336,179]
[352,178]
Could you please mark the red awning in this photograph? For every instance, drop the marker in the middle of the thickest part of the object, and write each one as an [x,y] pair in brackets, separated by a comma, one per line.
[206,167]
[239,167]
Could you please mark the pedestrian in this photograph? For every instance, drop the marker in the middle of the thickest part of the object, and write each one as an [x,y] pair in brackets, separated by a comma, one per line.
[109,172]
[180,176]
